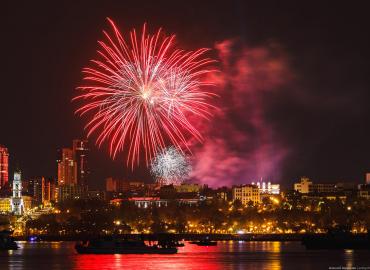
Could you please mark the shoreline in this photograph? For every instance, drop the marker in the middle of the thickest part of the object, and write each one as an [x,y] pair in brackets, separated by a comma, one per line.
[177,237]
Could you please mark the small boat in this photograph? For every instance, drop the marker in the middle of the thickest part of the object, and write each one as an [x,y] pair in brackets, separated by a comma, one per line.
[178,244]
[6,241]
[103,246]
[34,239]
[336,239]
[204,243]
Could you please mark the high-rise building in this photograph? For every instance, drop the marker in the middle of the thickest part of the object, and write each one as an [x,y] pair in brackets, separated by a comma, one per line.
[37,190]
[81,155]
[73,166]
[368,178]
[4,166]
[67,167]
[246,194]
[111,184]
[48,191]
[17,201]
[44,190]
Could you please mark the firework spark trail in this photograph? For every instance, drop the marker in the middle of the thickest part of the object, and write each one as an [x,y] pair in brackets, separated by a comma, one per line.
[142,92]
[170,167]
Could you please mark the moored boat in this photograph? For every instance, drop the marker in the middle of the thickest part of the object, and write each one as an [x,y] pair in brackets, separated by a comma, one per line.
[178,244]
[101,246]
[204,243]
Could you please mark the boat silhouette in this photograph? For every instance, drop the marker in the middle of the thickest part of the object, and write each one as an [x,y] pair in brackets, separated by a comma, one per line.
[117,246]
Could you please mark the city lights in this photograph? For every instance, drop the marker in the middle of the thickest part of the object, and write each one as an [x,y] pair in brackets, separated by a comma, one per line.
[184,134]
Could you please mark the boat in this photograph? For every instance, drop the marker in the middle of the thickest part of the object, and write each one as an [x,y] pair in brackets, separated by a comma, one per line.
[336,239]
[204,243]
[34,239]
[178,244]
[104,246]
[7,241]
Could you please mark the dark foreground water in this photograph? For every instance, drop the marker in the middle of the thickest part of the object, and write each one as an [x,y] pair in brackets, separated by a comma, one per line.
[227,255]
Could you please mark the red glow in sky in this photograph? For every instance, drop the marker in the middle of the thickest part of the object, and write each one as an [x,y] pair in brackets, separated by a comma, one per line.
[141,93]
[241,144]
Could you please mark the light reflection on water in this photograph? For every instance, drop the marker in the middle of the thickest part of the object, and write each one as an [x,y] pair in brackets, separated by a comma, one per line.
[348,254]
[226,255]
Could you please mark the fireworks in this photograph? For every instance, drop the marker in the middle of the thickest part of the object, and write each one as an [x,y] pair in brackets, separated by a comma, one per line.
[170,167]
[141,94]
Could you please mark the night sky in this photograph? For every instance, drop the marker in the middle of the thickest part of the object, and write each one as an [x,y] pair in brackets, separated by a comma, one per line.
[317,112]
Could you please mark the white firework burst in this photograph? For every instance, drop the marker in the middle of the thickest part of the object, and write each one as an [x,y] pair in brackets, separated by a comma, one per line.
[170,167]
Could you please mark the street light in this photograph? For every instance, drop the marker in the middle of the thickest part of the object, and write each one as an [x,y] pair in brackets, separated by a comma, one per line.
[117,222]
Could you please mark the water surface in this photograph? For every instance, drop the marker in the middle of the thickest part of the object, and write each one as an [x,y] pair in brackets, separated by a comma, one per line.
[226,255]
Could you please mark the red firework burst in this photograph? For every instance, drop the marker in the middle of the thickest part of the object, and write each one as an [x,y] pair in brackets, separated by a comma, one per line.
[142,92]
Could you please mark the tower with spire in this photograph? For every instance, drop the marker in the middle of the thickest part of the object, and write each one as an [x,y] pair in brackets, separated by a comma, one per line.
[17,201]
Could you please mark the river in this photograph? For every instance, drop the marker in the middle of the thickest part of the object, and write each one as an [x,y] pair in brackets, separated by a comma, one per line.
[226,255]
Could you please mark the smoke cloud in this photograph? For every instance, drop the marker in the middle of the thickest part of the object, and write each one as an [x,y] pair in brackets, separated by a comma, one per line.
[241,143]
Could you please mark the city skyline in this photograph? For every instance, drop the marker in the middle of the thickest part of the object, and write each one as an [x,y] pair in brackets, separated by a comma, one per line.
[71,162]
[313,121]
[184,134]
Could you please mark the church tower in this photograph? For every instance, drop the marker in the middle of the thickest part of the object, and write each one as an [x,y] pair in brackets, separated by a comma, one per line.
[17,201]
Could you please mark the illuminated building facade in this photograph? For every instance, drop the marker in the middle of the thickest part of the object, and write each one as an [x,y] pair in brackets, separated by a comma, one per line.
[304,186]
[268,188]
[307,186]
[44,190]
[134,188]
[48,191]
[4,166]
[17,200]
[364,190]
[80,155]
[246,194]
[145,202]
[27,202]
[67,167]
[323,188]
[5,205]
[71,192]
[188,187]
